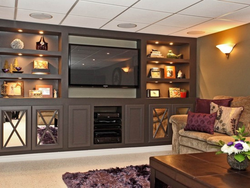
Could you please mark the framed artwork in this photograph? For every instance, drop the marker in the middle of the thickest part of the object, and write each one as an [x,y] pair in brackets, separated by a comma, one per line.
[39,64]
[15,89]
[47,90]
[35,94]
[174,92]
[153,93]
[169,72]
[155,73]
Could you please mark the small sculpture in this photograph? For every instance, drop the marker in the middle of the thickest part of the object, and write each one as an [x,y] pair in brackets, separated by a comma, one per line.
[55,93]
[6,67]
[42,45]
[16,66]
[172,55]
[17,44]
[4,90]
[179,74]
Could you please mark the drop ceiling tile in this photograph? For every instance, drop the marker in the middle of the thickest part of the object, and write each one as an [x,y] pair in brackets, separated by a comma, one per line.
[210,27]
[7,13]
[211,8]
[141,16]
[165,6]
[247,2]
[23,15]
[126,3]
[182,20]
[113,26]
[56,6]
[160,29]
[96,10]
[241,15]
[7,3]
[80,21]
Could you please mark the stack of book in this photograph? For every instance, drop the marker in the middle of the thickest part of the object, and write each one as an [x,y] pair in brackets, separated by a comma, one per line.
[155,53]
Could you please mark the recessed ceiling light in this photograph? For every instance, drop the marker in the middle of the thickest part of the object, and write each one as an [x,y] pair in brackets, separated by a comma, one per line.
[20,30]
[41,16]
[127,25]
[156,42]
[195,32]
[171,43]
[41,32]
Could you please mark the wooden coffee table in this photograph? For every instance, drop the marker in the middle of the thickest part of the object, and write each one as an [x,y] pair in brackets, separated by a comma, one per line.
[197,170]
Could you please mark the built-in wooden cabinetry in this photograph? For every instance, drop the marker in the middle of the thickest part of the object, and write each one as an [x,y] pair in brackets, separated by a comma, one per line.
[28,54]
[144,120]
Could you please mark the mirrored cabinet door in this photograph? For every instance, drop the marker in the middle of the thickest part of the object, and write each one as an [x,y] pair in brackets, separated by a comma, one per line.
[159,122]
[15,128]
[47,127]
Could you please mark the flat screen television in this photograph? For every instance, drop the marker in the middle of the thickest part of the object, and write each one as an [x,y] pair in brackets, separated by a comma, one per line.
[98,66]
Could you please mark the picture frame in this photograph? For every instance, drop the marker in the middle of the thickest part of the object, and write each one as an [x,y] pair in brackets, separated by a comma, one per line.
[39,64]
[155,73]
[153,93]
[15,89]
[47,90]
[169,72]
[35,93]
[174,92]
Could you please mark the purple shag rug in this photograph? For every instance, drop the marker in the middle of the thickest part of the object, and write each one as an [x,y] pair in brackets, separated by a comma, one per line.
[128,177]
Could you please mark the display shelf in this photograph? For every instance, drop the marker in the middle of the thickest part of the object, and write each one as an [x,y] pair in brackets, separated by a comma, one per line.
[29,76]
[26,52]
[151,60]
[166,80]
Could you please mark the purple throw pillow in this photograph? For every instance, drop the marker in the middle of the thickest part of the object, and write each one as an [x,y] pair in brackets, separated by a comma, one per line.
[203,105]
[201,122]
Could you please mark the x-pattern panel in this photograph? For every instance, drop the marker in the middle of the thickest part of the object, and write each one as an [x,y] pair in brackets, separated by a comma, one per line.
[160,122]
[14,128]
[47,128]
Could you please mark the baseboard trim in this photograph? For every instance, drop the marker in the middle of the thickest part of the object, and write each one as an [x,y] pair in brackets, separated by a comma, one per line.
[83,153]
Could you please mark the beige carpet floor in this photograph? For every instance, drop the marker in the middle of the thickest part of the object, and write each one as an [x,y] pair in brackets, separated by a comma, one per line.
[48,173]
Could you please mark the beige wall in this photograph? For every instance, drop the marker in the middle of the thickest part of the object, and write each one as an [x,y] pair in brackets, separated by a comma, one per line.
[217,75]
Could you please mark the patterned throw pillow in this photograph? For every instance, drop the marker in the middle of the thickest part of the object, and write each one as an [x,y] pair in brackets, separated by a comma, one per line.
[227,118]
[201,122]
[203,105]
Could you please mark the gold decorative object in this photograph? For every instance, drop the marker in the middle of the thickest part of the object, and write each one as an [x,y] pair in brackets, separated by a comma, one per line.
[6,68]
[35,94]
[4,90]
[170,54]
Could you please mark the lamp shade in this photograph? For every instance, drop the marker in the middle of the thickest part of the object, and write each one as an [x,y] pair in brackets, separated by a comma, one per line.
[226,48]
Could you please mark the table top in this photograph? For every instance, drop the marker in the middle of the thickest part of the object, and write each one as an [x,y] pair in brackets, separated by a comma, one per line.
[201,170]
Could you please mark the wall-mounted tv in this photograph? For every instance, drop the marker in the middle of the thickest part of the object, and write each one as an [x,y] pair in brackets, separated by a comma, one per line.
[98,66]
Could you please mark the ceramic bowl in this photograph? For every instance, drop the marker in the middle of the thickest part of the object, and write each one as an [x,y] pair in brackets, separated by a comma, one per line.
[18,68]
[5,70]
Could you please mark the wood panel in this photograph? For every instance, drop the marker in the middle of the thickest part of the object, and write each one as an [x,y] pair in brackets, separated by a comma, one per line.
[79,125]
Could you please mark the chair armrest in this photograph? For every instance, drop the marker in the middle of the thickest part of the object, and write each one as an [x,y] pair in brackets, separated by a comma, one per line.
[178,123]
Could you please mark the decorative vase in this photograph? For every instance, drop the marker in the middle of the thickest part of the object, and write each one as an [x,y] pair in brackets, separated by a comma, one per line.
[234,164]
[183,94]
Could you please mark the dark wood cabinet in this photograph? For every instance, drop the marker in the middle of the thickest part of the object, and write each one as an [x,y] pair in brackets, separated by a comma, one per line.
[159,127]
[70,125]
[79,126]
[15,131]
[47,127]
[134,124]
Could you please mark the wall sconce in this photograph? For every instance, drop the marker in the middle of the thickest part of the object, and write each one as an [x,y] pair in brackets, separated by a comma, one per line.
[125,69]
[226,48]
